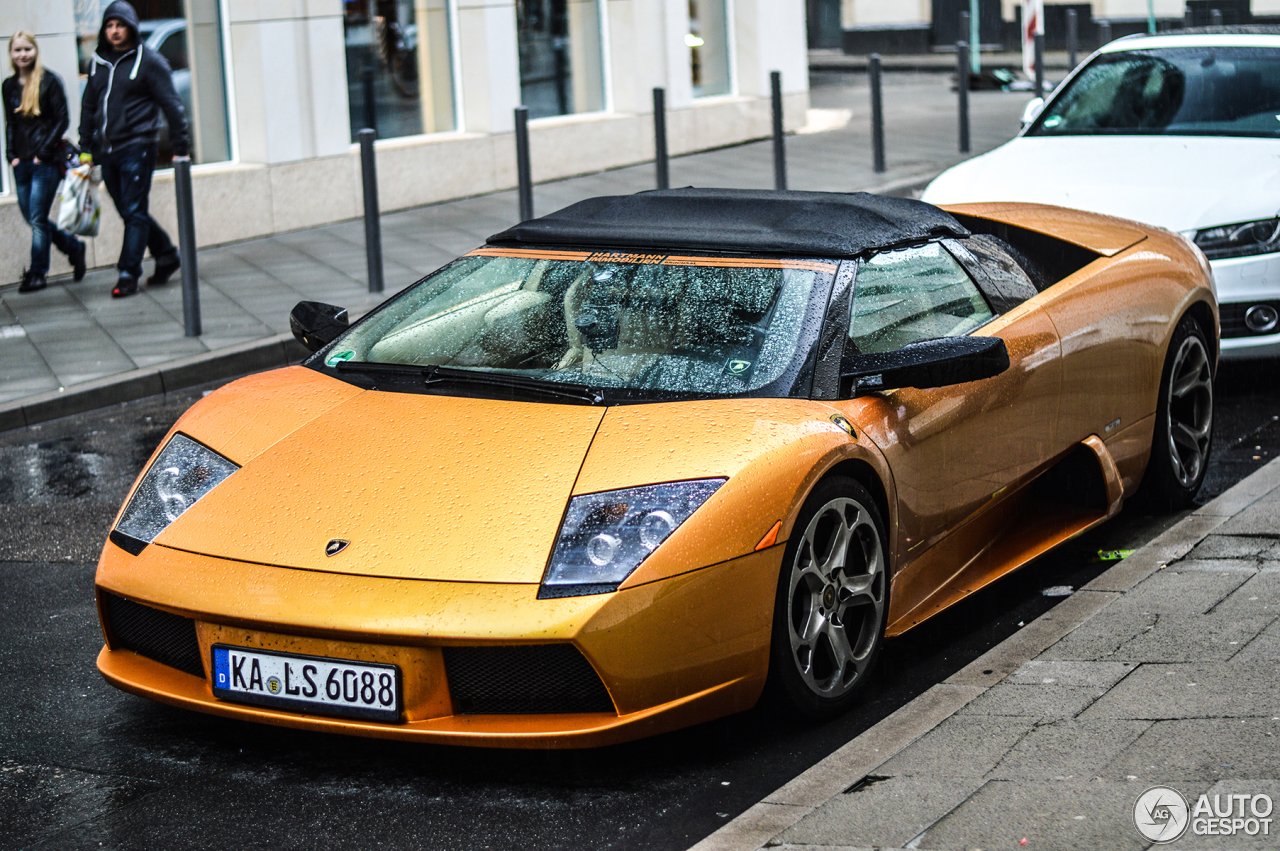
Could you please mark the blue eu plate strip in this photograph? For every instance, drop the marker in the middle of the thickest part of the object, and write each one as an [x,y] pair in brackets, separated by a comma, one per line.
[221,667]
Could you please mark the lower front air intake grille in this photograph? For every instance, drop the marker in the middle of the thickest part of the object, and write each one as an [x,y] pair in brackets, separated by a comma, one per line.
[529,679]
[167,638]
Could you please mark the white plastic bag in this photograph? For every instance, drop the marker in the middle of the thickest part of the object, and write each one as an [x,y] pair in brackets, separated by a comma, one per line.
[75,204]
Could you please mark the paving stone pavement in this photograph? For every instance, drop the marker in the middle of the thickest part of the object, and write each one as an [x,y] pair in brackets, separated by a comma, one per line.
[1160,672]
[72,347]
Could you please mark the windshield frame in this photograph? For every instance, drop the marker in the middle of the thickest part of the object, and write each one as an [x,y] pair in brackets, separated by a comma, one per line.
[1035,129]
[794,381]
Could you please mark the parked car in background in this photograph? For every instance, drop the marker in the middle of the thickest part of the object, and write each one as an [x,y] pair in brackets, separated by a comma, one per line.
[1181,130]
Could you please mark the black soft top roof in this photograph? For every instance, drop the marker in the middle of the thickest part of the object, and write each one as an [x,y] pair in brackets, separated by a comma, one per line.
[807,224]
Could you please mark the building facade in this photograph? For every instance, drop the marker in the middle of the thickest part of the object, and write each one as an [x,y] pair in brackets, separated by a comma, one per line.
[919,26]
[276,91]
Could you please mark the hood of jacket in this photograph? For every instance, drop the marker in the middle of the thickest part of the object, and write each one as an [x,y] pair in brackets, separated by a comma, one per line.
[124,12]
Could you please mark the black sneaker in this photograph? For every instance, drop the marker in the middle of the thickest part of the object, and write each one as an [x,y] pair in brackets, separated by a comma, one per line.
[77,260]
[126,286]
[32,281]
[166,265]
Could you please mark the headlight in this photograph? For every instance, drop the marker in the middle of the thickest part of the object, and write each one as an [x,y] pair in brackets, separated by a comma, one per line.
[183,472]
[605,536]
[1240,240]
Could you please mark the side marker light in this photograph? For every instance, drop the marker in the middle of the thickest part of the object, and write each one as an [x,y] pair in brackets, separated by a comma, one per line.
[770,538]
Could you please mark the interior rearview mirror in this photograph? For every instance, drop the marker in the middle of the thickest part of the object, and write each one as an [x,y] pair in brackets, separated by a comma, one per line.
[315,324]
[939,362]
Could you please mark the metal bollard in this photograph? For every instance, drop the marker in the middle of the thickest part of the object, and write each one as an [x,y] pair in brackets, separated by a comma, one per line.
[370,98]
[660,159]
[1104,33]
[372,223]
[779,149]
[1073,39]
[1039,65]
[1215,17]
[962,89]
[524,172]
[187,247]
[877,114]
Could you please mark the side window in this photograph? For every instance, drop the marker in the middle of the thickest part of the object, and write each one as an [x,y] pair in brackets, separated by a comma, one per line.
[913,294]
[174,50]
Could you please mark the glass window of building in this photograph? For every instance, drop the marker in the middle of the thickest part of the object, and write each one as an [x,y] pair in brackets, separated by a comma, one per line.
[561,64]
[399,66]
[708,42]
[187,33]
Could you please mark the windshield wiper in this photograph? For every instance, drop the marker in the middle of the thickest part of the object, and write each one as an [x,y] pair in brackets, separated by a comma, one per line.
[441,374]
[384,368]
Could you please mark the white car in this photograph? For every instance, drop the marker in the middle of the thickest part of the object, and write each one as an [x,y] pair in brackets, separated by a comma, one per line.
[1176,130]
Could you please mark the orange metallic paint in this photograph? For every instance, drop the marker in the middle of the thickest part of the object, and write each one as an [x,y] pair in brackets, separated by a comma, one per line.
[686,637]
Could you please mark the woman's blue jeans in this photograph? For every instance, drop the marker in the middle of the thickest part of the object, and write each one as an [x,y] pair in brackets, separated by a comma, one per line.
[36,184]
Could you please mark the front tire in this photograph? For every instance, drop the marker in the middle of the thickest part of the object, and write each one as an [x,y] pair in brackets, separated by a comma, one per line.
[832,602]
[1184,420]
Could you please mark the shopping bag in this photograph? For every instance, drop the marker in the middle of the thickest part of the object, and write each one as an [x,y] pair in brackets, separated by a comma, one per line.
[76,201]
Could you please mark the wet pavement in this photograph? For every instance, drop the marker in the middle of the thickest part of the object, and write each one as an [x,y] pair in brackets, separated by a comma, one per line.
[83,765]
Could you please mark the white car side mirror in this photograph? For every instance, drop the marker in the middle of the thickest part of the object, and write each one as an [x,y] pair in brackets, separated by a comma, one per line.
[1032,110]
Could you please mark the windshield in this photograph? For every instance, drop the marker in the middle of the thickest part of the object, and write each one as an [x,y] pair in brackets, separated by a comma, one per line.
[613,321]
[1190,91]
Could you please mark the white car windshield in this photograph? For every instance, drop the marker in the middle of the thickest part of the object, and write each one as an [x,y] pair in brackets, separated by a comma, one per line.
[1190,91]
[611,320]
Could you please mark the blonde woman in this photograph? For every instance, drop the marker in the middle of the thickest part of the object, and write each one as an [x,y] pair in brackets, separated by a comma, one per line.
[35,108]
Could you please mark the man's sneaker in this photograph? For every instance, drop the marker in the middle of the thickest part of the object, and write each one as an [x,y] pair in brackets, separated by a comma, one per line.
[32,281]
[166,265]
[77,260]
[126,286]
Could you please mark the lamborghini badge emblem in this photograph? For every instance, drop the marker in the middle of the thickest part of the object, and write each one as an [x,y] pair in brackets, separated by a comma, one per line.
[843,424]
[336,546]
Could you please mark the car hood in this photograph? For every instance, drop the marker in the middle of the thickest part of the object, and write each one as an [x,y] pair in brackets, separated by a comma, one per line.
[453,489]
[422,486]
[1177,182]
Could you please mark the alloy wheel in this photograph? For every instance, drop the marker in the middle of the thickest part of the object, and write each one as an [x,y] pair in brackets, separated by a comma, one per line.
[836,598]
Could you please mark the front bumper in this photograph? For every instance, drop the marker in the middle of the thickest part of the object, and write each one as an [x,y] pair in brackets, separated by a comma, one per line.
[671,653]
[1241,283]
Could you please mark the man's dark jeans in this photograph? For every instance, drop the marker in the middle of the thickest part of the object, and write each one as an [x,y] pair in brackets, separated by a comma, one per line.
[36,184]
[127,175]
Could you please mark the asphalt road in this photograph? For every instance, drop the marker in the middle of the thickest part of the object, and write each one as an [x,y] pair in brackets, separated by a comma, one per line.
[85,766]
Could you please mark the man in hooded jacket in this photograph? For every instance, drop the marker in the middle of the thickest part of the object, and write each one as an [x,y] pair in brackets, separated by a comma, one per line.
[129,85]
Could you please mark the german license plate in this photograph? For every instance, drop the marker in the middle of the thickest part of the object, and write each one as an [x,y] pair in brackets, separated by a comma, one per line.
[314,684]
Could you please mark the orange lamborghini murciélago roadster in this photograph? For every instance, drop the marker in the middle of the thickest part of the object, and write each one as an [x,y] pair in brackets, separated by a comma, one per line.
[635,463]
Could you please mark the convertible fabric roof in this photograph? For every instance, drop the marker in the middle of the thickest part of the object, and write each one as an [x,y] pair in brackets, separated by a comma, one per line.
[808,224]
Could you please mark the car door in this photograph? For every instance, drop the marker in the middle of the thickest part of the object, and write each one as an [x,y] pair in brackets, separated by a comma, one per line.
[954,451]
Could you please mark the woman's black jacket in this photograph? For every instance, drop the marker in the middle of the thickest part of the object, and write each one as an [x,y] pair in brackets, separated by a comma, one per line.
[31,136]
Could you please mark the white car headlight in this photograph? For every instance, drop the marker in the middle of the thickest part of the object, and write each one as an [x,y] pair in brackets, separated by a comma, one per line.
[605,536]
[1239,240]
[182,473]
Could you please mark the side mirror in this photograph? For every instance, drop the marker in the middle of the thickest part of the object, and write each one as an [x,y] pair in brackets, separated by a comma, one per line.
[1032,110]
[316,325]
[928,363]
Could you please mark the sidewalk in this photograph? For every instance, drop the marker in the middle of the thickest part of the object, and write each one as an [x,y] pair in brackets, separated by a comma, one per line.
[72,348]
[1161,671]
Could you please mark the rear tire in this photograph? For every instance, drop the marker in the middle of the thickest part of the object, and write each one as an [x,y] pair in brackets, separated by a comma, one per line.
[832,602]
[1184,421]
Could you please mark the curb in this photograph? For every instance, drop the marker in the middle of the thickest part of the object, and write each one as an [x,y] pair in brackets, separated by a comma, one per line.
[232,362]
[860,756]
